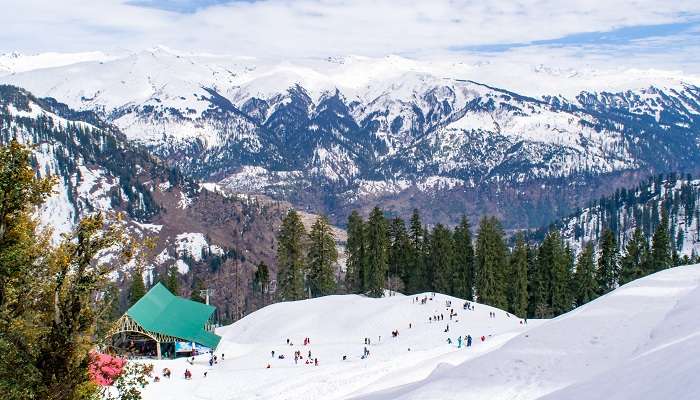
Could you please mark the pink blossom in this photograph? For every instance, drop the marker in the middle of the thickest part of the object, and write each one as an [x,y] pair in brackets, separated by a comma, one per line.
[105,369]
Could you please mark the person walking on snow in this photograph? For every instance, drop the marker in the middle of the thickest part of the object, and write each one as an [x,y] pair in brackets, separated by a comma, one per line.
[459,342]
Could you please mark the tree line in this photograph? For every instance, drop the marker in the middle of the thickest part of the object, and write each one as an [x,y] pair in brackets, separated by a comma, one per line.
[536,279]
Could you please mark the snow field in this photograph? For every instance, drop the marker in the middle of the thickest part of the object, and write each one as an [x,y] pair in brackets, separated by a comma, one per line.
[337,326]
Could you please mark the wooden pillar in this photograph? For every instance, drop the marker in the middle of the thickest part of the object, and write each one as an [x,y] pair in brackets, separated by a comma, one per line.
[157,349]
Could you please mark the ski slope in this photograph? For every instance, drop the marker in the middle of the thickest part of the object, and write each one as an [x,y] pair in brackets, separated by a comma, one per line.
[337,326]
[642,341]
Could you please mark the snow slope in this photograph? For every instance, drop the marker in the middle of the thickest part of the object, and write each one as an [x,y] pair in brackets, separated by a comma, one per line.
[641,341]
[337,326]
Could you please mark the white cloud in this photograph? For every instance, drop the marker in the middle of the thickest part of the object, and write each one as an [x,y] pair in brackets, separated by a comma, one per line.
[301,28]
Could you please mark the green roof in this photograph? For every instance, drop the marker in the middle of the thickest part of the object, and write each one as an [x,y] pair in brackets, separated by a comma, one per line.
[162,312]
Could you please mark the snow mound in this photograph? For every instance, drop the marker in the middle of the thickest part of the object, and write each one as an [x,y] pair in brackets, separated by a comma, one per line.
[337,326]
[642,341]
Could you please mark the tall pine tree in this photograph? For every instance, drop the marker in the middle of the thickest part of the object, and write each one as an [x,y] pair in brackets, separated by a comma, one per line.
[441,260]
[661,254]
[355,254]
[322,258]
[608,268]
[464,260]
[585,276]
[291,258]
[632,263]
[517,293]
[491,263]
[415,281]
[136,289]
[399,255]
[377,253]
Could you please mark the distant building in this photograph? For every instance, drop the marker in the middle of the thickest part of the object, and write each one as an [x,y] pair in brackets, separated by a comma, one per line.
[162,324]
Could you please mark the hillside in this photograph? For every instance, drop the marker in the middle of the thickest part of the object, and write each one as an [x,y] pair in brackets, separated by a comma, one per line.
[202,232]
[640,206]
[638,342]
[337,326]
[348,133]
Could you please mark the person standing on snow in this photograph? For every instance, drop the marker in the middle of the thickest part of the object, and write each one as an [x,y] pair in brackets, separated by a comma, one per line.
[459,342]
[469,341]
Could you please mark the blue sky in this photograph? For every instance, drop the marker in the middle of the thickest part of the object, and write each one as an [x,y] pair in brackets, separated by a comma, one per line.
[654,33]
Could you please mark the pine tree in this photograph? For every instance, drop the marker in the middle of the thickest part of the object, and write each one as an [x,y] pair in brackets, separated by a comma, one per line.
[377,253]
[661,255]
[261,280]
[399,255]
[197,288]
[632,263]
[584,277]
[137,289]
[517,293]
[442,260]
[491,263]
[355,253]
[172,280]
[416,271]
[291,257]
[322,257]
[608,268]
[464,260]
[560,276]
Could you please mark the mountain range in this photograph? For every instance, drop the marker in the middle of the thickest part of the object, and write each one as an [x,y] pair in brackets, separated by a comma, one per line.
[338,134]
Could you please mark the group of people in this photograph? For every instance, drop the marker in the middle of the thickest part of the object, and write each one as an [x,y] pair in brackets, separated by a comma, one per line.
[310,360]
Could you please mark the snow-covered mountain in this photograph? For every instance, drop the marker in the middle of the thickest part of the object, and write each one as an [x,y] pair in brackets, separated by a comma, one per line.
[202,231]
[637,342]
[344,133]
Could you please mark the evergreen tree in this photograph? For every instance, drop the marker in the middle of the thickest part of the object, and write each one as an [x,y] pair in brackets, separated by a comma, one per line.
[197,289]
[661,254]
[584,277]
[355,253]
[632,263]
[608,268]
[137,289]
[172,280]
[261,280]
[291,258]
[517,293]
[491,263]
[416,271]
[399,255]
[322,257]
[464,260]
[377,253]
[441,260]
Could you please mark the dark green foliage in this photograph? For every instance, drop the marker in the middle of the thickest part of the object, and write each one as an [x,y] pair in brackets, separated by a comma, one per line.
[172,280]
[661,253]
[633,263]
[608,268]
[441,260]
[416,274]
[355,281]
[464,261]
[377,253]
[291,258]
[136,289]
[197,289]
[586,287]
[491,263]
[261,281]
[518,279]
[400,251]
[322,257]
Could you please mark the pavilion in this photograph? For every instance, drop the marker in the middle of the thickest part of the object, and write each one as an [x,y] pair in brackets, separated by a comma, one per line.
[162,323]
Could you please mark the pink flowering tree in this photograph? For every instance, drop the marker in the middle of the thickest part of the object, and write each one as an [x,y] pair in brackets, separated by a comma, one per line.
[118,379]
